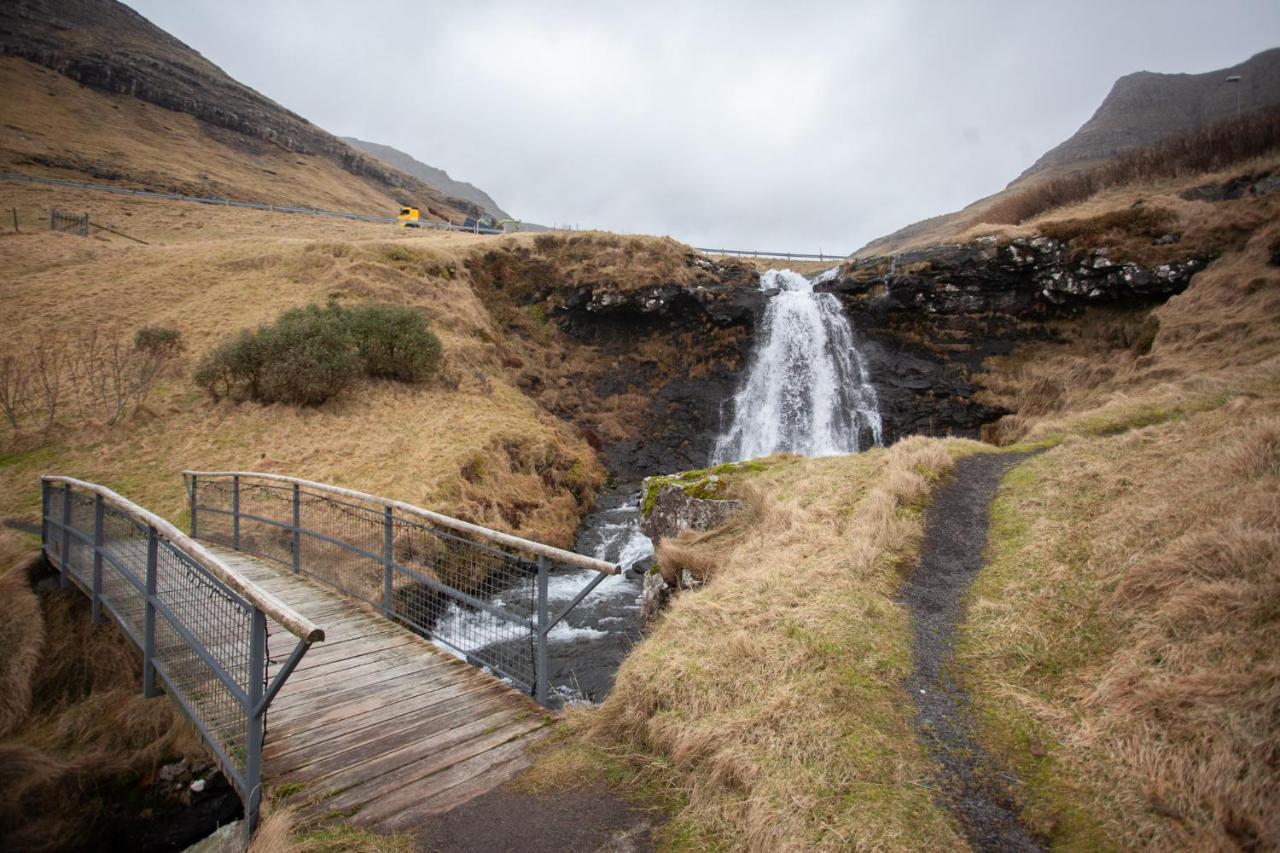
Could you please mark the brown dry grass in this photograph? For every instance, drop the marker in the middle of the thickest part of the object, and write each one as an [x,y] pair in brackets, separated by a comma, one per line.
[770,700]
[75,718]
[1211,149]
[1120,644]
[410,442]
[283,830]
[55,127]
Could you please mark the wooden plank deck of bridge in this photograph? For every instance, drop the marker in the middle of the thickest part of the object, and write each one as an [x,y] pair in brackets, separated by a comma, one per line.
[376,724]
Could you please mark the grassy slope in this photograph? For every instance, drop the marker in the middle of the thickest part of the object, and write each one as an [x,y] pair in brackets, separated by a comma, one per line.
[1121,642]
[83,131]
[766,710]
[411,442]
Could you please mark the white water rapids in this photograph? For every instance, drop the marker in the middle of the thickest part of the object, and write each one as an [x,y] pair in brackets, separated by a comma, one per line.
[806,389]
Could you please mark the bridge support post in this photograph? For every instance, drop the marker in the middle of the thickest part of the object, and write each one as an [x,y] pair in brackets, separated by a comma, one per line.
[540,662]
[149,688]
[297,529]
[235,513]
[96,596]
[255,717]
[191,498]
[388,560]
[66,535]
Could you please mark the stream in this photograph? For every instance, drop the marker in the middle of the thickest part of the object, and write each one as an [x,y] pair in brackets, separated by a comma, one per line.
[805,390]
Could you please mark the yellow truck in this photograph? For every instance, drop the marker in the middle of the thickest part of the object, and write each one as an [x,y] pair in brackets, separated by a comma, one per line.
[410,217]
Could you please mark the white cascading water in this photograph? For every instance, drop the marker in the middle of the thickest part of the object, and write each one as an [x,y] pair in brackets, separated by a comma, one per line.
[806,389]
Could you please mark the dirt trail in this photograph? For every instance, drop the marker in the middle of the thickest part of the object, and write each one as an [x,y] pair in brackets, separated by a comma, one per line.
[975,789]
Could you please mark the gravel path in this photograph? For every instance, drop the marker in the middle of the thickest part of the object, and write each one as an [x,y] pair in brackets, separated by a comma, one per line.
[583,820]
[973,786]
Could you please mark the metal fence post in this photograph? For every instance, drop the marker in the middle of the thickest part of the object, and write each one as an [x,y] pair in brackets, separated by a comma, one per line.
[255,717]
[192,500]
[149,688]
[97,558]
[388,560]
[66,535]
[297,529]
[540,663]
[235,513]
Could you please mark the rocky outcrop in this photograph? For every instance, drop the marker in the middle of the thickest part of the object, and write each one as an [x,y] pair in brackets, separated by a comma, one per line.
[668,509]
[672,342]
[930,317]
[673,510]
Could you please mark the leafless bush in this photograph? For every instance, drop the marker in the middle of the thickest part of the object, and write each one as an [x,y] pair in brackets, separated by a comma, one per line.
[15,387]
[1207,150]
[103,377]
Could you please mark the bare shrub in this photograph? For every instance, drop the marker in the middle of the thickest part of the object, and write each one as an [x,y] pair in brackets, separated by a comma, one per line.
[15,387]
[1207,150]
[103,378]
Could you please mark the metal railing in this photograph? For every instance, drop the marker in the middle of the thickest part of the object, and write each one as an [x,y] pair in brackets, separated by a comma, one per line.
[202,628]
[760,253]
[479,593]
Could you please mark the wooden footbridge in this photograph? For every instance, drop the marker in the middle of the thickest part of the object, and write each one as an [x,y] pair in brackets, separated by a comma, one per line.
[365,658]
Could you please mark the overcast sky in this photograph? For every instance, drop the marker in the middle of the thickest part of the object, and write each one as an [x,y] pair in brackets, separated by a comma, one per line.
[784,125]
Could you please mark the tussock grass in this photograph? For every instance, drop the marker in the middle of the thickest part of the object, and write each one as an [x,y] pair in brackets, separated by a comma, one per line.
[74,718]
[283,830]
[769,701]
[1120,643]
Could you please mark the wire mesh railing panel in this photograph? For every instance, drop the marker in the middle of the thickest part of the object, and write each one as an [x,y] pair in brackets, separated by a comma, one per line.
[342,544]
[80,547]
[474,600]
[124,570]
[266,518]
[202,629]
[221,624]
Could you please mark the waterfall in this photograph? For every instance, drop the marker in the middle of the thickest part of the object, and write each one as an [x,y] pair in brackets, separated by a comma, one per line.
[806,389]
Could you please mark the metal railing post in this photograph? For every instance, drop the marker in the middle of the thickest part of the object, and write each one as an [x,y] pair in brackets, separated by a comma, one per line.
[235,513]
[66,535]
[192,499]
[96,586]
[44,517]
[388,560]
[149,688]
[255,716]
[540,663]
[297,529]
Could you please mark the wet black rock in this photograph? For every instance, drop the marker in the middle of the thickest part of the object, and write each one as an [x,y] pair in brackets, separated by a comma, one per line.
[717,315]
[929,318]
[1261,183]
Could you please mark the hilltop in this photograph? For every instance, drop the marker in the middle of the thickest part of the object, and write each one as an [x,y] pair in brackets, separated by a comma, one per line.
[92,90]
[1140,110]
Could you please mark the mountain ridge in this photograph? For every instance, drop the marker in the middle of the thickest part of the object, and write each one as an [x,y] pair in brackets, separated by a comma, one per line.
[430,175]
[1141,108]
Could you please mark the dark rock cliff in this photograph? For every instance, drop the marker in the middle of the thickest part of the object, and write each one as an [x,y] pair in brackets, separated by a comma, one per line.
[930,317]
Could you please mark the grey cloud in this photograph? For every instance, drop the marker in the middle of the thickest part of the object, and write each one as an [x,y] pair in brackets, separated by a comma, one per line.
[776,125]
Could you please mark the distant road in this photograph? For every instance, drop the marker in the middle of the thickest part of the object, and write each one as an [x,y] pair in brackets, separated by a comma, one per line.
[359,217]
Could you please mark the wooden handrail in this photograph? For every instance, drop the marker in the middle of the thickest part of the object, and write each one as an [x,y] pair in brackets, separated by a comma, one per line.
[295,622]
[557,554]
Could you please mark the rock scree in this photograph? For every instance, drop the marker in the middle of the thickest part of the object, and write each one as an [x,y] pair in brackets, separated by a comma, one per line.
[978,792]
